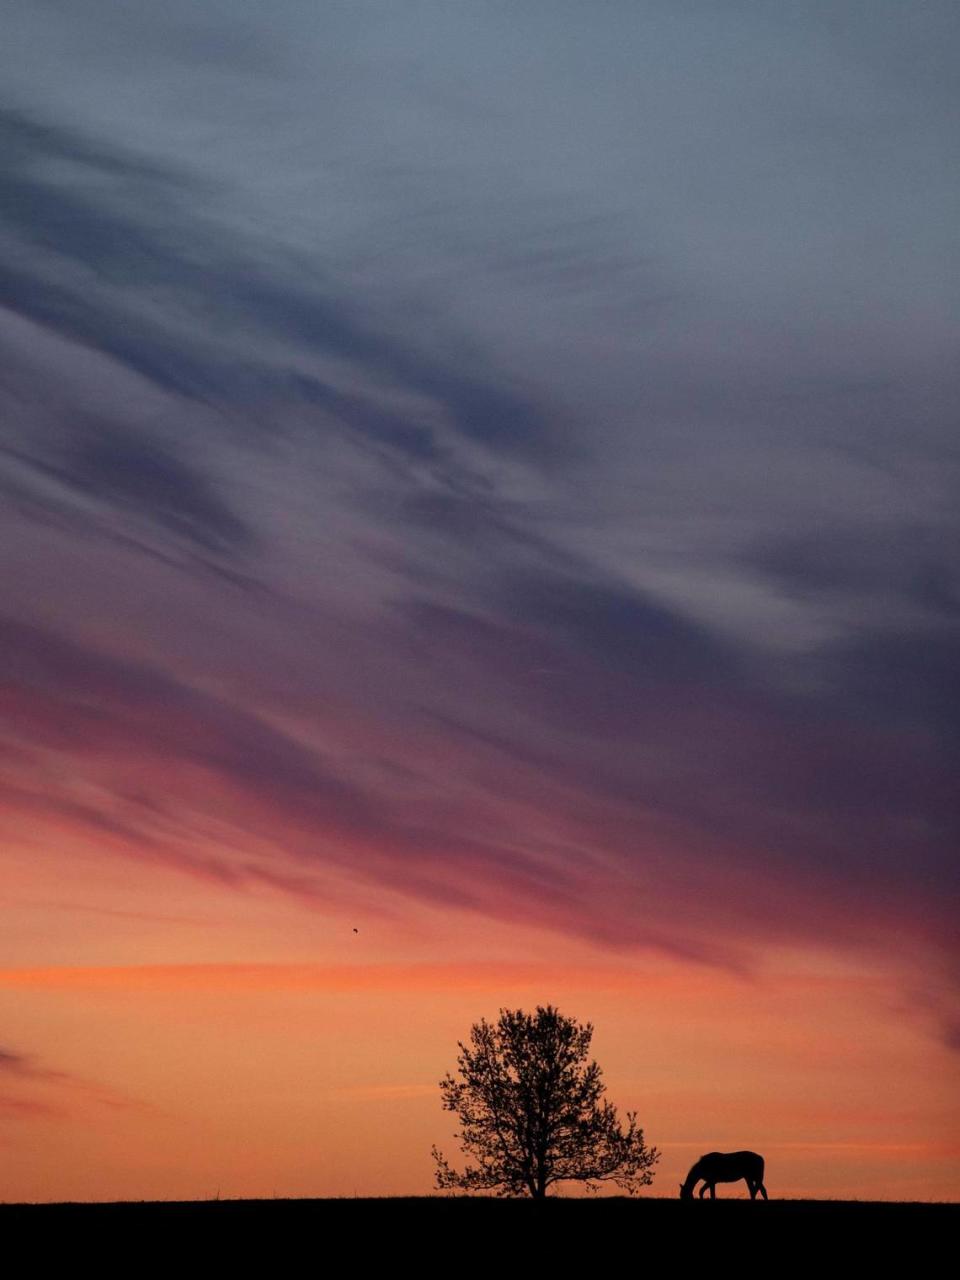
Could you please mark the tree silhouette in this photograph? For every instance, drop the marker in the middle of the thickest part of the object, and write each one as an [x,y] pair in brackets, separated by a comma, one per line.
[530,1110]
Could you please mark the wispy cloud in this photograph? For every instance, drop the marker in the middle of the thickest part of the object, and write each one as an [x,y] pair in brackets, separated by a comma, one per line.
[45,1094]
[554,524]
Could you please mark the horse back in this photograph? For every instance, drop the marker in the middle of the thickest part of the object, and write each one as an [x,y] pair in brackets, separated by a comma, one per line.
[729,1166]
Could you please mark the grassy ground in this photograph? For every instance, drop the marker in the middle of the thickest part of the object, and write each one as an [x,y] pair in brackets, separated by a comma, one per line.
[474,1234]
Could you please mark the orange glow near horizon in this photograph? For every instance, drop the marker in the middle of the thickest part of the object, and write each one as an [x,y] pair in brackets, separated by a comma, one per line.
[189,1076]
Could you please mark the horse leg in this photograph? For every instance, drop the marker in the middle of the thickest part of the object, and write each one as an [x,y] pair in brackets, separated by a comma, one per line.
[752,1188]
[704,1189]
[762,1189]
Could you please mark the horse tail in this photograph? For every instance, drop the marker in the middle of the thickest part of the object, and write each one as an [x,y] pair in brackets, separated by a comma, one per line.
[759,1181]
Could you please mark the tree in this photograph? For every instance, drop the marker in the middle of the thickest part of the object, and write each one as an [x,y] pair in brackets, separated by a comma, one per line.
[530,1110]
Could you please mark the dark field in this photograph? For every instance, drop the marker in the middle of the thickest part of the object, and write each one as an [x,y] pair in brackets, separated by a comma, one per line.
[477,1234]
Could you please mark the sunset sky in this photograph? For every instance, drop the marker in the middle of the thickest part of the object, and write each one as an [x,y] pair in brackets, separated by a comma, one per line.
[479,528]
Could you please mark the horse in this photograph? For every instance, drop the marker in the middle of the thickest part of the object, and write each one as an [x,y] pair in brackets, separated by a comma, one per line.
[725,1166]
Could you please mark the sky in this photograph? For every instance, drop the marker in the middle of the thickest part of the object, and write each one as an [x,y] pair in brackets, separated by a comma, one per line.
[479,529]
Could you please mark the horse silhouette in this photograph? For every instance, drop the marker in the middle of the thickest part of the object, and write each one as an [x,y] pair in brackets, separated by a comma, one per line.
[725,1166]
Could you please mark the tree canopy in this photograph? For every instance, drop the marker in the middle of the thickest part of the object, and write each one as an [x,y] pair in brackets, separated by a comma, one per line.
[531,1111]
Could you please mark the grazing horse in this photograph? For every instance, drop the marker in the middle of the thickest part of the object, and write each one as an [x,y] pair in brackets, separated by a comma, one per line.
[725,1166]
